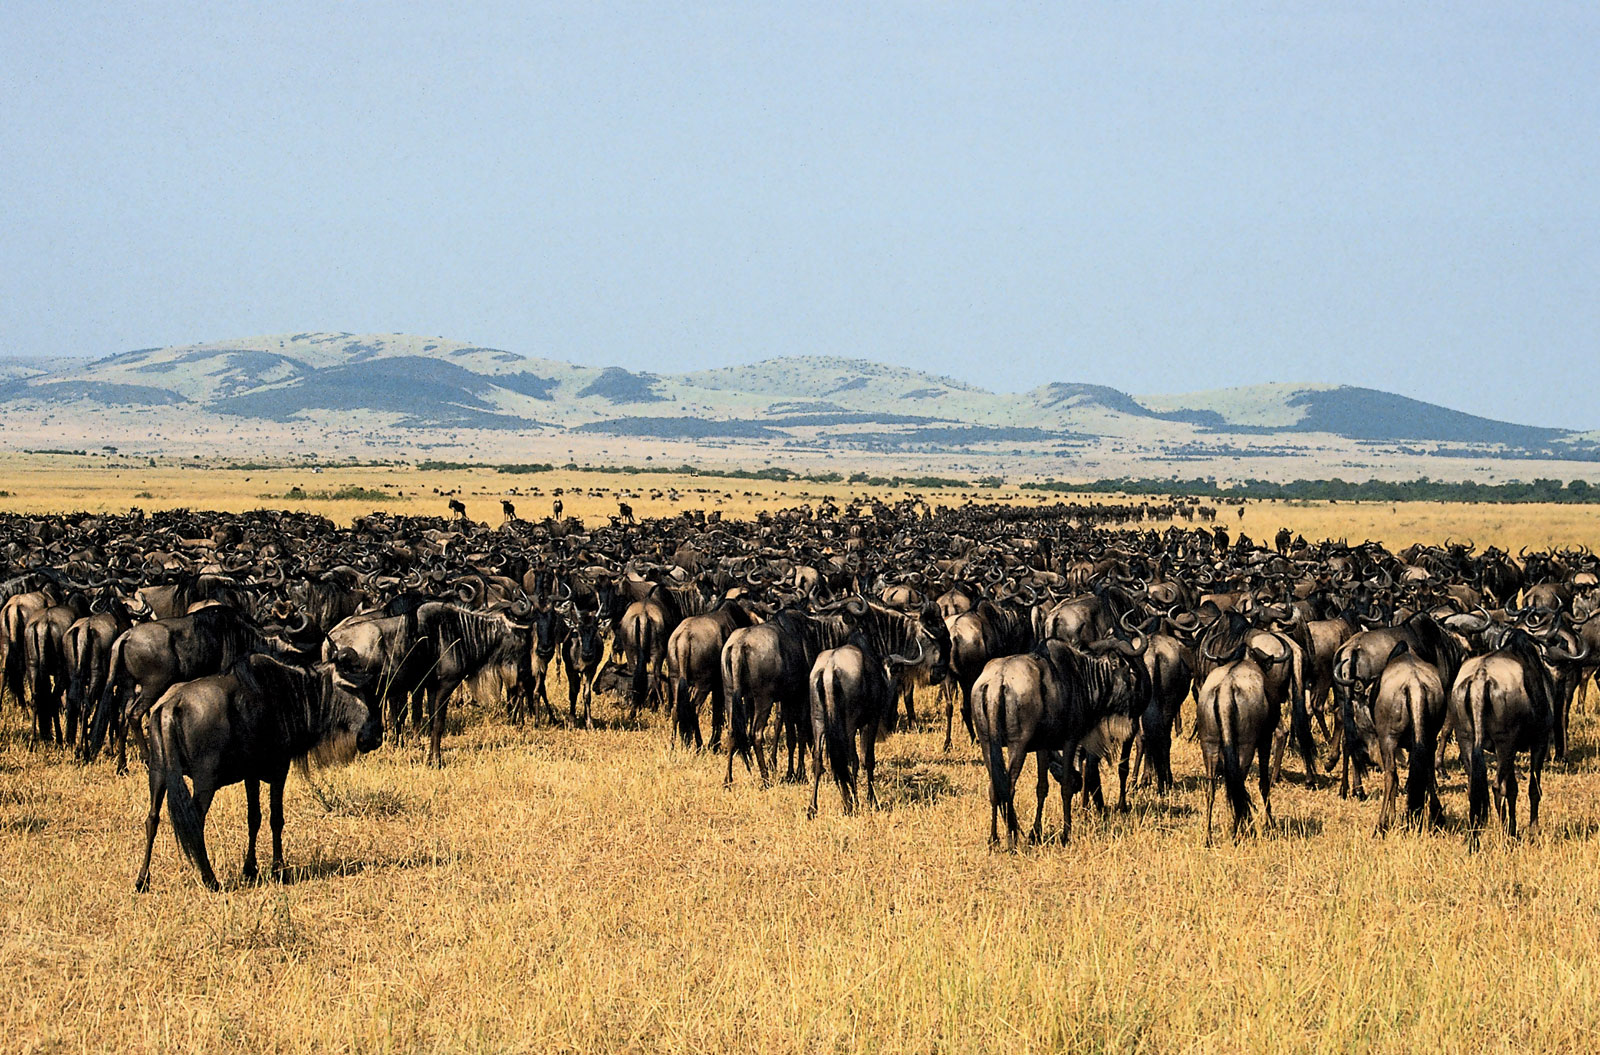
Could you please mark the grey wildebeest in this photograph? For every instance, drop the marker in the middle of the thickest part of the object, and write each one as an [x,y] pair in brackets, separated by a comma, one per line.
[1503,702]
[694,668]
[852,690]
[1047,703]
[1408,712]
[152,657]
[249,724]
[447,645]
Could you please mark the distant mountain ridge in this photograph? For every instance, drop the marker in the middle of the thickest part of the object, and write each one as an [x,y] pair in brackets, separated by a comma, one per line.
[422,384]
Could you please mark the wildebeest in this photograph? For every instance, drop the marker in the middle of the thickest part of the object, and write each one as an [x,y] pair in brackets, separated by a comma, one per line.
[1045,703]
[1408,712]
[1502,702]
[1237,721]
[852,690]
[249,724]
[694,669]
[152,657]
[447,645]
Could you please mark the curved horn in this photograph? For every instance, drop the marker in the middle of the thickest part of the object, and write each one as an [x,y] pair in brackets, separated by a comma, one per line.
[910,661]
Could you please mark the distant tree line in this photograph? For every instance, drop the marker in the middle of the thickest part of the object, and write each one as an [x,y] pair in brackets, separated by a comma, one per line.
[1574,492]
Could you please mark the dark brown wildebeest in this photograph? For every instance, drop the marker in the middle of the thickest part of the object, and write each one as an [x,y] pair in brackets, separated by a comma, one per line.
[852,690]
[1408,711]
[986,632]
[1503,702]
[583,656]
[1237,720]
[152,657]
[249,724]
[44,656]
[1046,703]
[769,665]
[88,655]
[694,669]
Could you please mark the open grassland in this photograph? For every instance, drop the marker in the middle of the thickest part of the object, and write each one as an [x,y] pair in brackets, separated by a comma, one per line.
[53,484]
[560,890]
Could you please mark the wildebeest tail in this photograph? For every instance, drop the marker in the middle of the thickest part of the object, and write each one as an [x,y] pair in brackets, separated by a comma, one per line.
[734,678]
[837,742]
[166,751]
[641,664]
[995,751]
[1419,774]
[1477,700]
[105,710]
[682,711]
[1300,715]
[1226,712]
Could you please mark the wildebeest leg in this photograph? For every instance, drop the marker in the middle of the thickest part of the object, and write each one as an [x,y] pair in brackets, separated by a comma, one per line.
[1211,794]
[1137,774]
[1042,791]
[758,744]
[1122,776]
[1262,750]
[1535,783]
[869,759]
[1066,777]
[275,820]
[152,821]
[436,734]
[719,717]
[950,712]
[816,774]
[252,820]
[1391,782]
[1505,776]
[202,859]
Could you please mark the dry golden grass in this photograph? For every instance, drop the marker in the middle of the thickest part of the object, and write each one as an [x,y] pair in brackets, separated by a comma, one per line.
[51,484]
[558,890]
[561,890]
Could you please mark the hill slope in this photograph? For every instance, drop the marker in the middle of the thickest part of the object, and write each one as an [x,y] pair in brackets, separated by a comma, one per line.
[413,387]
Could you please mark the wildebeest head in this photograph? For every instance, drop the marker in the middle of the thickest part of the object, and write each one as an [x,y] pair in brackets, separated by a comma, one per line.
[352,723]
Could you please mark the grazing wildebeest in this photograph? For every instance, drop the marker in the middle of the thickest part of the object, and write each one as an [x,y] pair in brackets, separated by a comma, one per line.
[458,508]
[249,724]
[1045,703]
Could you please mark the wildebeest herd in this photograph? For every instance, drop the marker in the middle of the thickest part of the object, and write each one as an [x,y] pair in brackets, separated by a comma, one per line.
[231,647]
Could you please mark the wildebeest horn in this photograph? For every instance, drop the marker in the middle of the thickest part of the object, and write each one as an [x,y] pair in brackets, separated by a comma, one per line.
[909,661]
[1561,655]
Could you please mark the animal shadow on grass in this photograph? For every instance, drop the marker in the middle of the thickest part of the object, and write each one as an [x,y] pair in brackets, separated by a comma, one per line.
[24,824]
[334,867]
[904,782]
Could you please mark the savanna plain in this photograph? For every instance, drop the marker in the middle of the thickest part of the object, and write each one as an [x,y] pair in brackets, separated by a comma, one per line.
[553,889]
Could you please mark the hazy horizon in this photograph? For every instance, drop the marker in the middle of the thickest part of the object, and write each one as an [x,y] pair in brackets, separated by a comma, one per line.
[1155,199]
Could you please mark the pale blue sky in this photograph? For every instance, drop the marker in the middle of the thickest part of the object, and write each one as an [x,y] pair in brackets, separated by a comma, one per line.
[1159,197]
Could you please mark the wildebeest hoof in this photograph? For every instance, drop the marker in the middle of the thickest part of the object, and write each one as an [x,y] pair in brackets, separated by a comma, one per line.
[1361,794]
[141,885]
[249,872]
